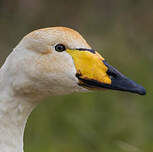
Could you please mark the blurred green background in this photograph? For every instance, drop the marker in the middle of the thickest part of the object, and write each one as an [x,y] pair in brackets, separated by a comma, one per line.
[104,121]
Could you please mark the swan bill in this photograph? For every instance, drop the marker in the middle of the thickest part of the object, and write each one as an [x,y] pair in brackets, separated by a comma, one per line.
[93,72]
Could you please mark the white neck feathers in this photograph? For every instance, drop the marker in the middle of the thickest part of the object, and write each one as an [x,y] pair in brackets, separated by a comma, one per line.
[14,111]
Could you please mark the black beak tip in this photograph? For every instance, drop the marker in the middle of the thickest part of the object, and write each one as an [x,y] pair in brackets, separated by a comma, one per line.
[122,83]
[141,90]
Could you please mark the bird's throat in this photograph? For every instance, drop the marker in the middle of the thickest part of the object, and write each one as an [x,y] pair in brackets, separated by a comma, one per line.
[16,104]
[14,112]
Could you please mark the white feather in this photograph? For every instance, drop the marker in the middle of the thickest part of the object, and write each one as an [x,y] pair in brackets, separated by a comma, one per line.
[33,71]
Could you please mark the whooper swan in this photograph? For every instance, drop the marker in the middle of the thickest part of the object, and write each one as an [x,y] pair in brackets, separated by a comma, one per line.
[51,61]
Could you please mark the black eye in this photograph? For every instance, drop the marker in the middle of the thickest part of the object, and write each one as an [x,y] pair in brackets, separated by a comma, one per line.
[60,47]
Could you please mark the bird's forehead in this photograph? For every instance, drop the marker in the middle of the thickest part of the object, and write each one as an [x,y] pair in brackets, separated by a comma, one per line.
[55,35]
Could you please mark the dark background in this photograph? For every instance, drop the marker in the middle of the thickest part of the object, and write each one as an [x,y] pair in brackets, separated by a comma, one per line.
[104,121]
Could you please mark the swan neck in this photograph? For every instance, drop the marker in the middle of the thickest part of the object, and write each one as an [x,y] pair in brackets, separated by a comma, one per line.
[14,112]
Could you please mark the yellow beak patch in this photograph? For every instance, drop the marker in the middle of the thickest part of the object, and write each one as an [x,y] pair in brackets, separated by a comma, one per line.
[89,66]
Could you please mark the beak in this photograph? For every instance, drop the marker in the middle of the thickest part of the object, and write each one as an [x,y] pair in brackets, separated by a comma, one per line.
[94,72]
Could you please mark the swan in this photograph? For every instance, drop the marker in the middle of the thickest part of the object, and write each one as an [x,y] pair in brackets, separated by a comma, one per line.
[46,62]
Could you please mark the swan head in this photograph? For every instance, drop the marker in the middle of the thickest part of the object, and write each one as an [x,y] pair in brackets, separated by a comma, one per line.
[58,60]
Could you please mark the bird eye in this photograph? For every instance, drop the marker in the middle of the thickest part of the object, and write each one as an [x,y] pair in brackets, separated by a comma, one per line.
[60,48]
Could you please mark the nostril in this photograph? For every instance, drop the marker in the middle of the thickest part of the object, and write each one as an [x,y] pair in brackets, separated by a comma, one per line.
[112,74]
